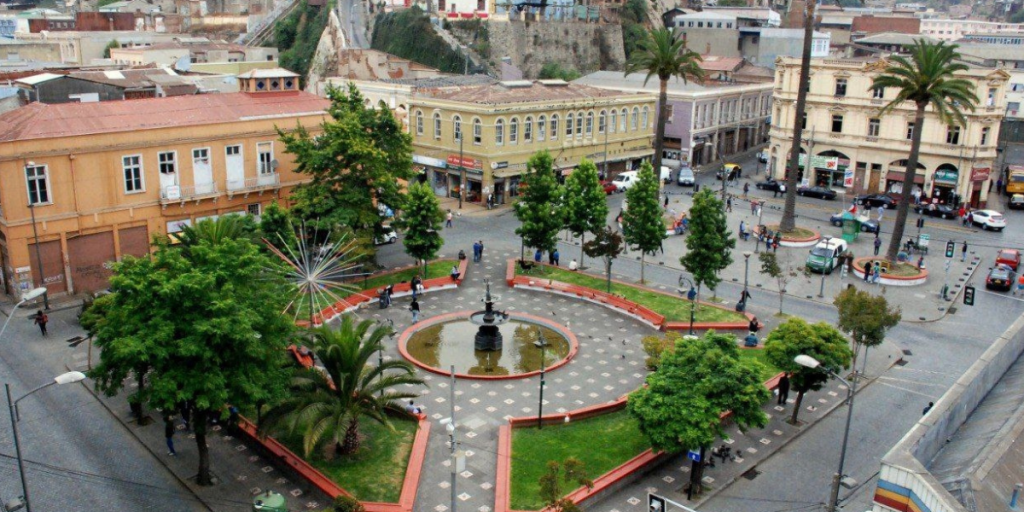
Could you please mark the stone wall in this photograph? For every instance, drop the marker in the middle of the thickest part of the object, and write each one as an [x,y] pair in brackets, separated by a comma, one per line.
[325,59]
[583,46]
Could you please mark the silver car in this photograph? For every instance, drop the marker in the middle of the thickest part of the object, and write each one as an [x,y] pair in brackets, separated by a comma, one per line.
[685,177]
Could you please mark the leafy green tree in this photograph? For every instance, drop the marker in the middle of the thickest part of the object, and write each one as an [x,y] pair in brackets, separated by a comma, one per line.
[573,472]
[820,341]
[91,319]
[663,53]
[555,70]
[586,208]
[655,346]
[866,317]
[642,226]
[207,324]
[709,244]
[276,227]
[538,206]
[421,220]
[926,78]
[354,165]
[327,407]
[345,503]
[607,245]
[110,46]
[633,18]
[680,408]
[226,227]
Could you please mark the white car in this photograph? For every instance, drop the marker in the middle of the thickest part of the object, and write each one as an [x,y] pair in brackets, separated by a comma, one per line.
[988,219]
[389,237]
[625,180]
[762,157]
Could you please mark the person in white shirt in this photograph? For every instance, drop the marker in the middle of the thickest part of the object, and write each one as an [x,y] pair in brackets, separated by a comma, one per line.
[573,265]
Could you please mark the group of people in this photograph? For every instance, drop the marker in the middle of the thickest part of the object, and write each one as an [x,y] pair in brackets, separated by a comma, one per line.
[872,272]
[553,256]
[478,251]
[771,239]
[965,215]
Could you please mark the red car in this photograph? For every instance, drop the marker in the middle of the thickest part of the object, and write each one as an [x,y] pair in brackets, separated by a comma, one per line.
[1008,257]
[609,187]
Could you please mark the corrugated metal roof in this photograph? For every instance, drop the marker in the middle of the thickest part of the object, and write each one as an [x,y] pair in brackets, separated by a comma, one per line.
[38,79]
[268,73]
[497,94]
[40,121]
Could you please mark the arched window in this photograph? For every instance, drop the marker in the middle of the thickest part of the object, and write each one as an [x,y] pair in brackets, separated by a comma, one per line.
[528,129]
[622,121]
[437,125]
[602,121]
[568,125]
[590,124]
[419,122]
[579,125]
[499,132]
[542,128]
[554,126]
[614,119]
[478,132]
[643,119]
[513,131]
[634,120]
[457,128]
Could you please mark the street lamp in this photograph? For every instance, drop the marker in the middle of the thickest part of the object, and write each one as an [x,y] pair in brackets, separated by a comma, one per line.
[821,292]
[542,344]
[851,390]
[39,254]
[29,295]
[691,295]
[746,271]
[64,378]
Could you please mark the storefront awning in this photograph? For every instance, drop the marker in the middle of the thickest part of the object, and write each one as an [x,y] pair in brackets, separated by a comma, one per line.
[898,176]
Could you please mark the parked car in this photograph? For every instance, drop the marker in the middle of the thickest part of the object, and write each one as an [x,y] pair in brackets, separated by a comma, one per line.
[1001,277]
[988,219]
[685,177]
[666,175]
[762,157]
[1016,202]
[772,184]
[942,211]
[876,200]
[819,192]
[609,187]
[388,237]
[866,225]
[625,180]
[728,172]
[824,257]
[1008,257]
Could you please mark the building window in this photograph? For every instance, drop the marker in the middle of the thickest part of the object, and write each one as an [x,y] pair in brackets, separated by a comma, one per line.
[644,118]
[419,122]
[513,131]
[953,135]
[528,129]
[602,121]
[478,132]
[233,150]
[542,127]
[499,132]
[265,157]
[167,162]
[635,119]
[554,126]
[991,97]
[873,127]
[984,135]
[254,209]
[437,126]
[910,131]
[803,122]
[579,125]
[590,124]
[568,125]
[622,120]
[878,92]
[132,166]
[837,123]
[38,184]
[614,119]
[457,128]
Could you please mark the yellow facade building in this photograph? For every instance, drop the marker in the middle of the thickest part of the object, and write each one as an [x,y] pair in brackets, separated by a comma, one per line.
[856,149]
[88,183]
[491,130]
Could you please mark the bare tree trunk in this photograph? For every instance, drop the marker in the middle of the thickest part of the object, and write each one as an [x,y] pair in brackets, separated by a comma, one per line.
[583,238]
[696,475]
[796,407]
[788,222]
[659,138]
[643,255]
[903,209]
[782,293]
[351,442]
[199,418]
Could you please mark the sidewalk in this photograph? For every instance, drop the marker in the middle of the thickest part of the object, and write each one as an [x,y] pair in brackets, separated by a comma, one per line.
[472,209]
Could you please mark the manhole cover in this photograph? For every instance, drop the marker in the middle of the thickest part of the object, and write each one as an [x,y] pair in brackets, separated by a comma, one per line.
[907,352]
[751,474]
[902,362]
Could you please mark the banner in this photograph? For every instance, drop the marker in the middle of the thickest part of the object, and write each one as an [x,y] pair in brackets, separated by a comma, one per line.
[821,162]
[848,178]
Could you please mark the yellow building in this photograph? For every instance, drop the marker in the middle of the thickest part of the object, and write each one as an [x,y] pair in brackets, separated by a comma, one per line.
[856,149]
[493,129]
[91,182]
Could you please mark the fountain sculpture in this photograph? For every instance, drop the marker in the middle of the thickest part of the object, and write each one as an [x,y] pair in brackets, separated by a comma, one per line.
[488,337]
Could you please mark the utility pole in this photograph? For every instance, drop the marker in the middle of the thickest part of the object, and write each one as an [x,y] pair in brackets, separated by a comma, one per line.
[462,167]
[39,257]
[451,437]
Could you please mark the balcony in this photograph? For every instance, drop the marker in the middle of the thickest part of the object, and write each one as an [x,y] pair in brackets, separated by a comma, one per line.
[181,193]
[258,184]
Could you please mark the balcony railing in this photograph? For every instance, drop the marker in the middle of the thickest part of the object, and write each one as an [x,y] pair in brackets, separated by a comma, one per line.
[261,182]
[172,193]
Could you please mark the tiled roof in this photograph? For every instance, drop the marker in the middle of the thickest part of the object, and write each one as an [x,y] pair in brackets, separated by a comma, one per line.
[892,38]
[128,78]
[874,25]
[719,63]
[40,121]
[441,81]
[522,92]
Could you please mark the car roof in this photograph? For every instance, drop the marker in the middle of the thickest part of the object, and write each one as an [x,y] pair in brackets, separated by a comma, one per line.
[1019,197]
[1001,269]
[1011,251]
[988,212]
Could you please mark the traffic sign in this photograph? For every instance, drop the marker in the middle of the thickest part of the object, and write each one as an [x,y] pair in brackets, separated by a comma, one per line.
[968,295]
[693,455]
[950,248]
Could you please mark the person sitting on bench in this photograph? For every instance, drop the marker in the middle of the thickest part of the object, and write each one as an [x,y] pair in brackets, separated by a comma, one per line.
[455,273]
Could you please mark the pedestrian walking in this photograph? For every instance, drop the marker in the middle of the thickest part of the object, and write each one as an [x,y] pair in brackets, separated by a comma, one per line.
[784,389]
[537,256]
[1020,285]
[970,219]
[416,284]
[728,204]
[776,241]
[554,257]
[40,320]
[481,242]
[881,213]
[760,204]
[963,252]
[415,308]
[753,207]
[867,271]
[927,408]
[999,186]
[878,245]
[551,258]
[478,250]
[169,435]
[775,192]
[746,190]
[666,200]
[448,219]
[876,273]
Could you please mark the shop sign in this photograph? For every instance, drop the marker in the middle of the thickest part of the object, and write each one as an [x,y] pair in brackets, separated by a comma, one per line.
[946,175]
[848,178]
[980,173]
[426,160]
[471,163]
[499,165]
[821,162]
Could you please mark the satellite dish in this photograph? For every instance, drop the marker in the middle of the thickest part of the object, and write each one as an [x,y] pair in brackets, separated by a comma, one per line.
[273,164]
[183,64]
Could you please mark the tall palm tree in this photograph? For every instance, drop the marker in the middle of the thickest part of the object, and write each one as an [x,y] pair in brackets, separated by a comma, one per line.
[664,55]
[925,79]
[788,222]
[325,406]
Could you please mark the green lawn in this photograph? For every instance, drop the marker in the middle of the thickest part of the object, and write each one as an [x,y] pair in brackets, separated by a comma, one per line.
[672,307]
[602,444]
[434,269]
[757,354]
[377,470]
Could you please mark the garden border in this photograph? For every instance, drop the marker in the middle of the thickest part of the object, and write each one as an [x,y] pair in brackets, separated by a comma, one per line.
[799,242]
[281,455]
[858,270]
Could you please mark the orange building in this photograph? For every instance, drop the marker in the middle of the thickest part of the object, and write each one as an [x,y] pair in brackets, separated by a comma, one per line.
[92,182]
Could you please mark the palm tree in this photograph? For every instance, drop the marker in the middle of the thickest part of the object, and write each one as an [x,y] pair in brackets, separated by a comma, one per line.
[925,79]
[663,54]
[788,222]
[326,404]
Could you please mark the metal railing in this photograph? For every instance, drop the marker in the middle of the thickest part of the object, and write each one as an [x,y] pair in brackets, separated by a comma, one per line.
[173,193]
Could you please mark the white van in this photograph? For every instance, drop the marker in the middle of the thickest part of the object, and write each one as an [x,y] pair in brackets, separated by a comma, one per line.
[666,175]
[625,180]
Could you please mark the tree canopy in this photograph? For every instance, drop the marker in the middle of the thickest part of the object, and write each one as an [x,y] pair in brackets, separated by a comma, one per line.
[642,226]
[821,341]
[421,220]
[585,209]
[709,244]
[538,207]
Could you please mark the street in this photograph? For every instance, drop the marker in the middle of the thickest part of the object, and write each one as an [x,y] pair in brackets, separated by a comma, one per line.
[350,13]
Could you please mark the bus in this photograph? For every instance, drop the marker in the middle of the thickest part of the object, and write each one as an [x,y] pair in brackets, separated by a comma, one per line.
[1015,180]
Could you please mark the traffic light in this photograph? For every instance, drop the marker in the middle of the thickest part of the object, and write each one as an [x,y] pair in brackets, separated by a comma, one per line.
[968,295]
[950,248]
[655,503]
[920,222]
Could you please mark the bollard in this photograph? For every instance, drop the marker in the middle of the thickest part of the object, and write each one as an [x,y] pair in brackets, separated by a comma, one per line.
[1016,494]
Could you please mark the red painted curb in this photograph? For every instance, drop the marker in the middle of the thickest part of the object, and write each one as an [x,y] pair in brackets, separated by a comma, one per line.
[502,490]
[858,265]
[816,236]
[574,345]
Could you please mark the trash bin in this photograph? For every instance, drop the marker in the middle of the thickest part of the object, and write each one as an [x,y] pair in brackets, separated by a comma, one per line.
[269,501]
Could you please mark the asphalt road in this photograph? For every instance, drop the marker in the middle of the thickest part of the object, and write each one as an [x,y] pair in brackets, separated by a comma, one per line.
[350,13]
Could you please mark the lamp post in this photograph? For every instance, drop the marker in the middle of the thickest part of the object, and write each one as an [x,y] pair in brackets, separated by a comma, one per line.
[462,167]
[691,295]
[12,405]
[39,256]
[746,271]
[821,292]
[851,391]
[542,344]
[30,295]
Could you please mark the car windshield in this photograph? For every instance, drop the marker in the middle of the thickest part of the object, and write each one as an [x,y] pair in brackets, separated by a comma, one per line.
[1017,178]
[1007,255]
[822,252]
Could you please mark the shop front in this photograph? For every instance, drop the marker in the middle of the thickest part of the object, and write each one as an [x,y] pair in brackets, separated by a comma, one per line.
[944,184]
[436,172]
[825,173]
[979,180]
[894,181]
[474,178]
